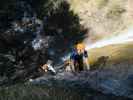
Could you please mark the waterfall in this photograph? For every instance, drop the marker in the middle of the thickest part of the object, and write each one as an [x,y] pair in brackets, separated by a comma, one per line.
[125,37]
[29,24]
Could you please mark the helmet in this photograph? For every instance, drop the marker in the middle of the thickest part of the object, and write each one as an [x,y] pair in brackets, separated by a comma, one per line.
[80,46]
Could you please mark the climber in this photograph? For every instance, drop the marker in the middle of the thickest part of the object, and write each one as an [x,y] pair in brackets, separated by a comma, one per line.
[79,58]
[48,67]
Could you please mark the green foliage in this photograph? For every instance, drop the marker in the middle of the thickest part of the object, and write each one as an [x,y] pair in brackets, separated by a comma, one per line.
[63,19]
[58,15]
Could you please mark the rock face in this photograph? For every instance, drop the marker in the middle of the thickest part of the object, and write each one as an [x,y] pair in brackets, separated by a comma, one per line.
[114,87]
[19,57]
[106,81]
[29,37]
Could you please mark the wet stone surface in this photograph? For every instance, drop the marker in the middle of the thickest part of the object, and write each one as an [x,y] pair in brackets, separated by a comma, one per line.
[86,81]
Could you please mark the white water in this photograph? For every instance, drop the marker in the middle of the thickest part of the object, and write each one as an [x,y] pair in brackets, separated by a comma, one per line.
[125,37]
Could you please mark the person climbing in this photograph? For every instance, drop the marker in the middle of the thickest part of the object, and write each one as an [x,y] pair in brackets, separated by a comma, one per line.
[79,58]
[48,67]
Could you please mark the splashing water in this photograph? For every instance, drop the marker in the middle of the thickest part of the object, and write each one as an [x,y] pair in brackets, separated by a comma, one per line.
[125,37]
[39,42]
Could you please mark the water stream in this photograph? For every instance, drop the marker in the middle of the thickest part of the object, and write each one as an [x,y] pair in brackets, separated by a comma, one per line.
[125,37]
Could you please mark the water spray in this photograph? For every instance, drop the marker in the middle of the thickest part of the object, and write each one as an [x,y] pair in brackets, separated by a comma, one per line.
[125,37]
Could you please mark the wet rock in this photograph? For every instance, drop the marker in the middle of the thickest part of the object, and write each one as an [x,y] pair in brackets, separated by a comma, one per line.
[28,36]
[3,80]
[86,80]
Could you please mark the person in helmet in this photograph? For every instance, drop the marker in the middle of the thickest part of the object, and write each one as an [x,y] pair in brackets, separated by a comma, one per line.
[79,58]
